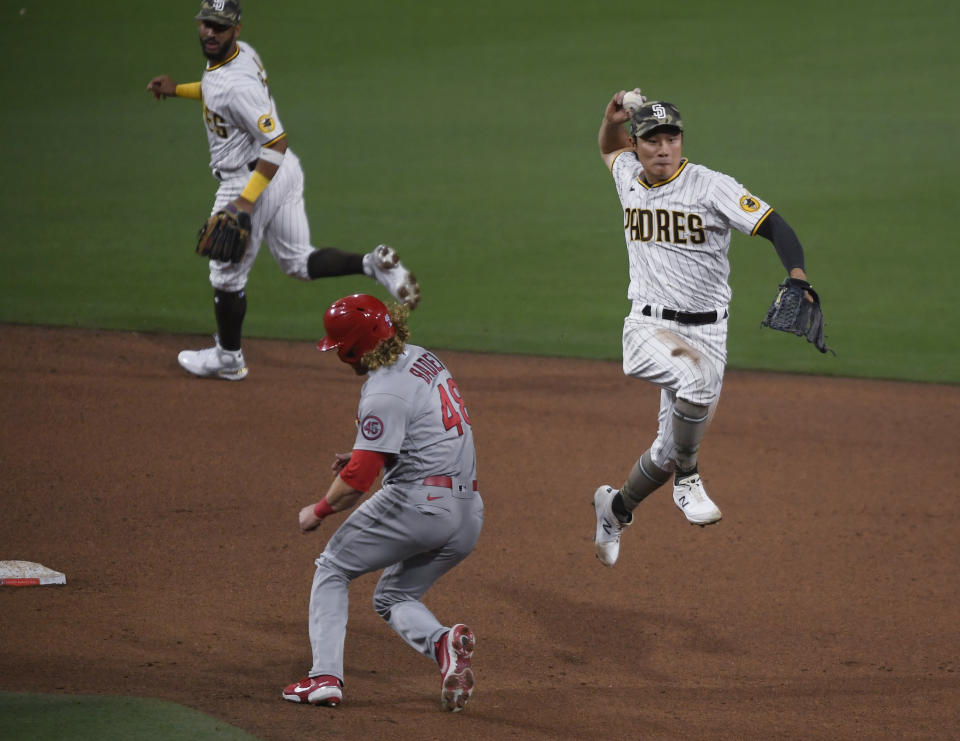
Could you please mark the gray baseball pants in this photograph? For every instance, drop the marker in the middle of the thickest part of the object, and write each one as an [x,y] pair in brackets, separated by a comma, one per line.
[415,540]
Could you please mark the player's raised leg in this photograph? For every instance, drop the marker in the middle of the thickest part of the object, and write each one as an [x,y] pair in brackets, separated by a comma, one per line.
[288,238]
[689,425]
[384,266]
[606,539]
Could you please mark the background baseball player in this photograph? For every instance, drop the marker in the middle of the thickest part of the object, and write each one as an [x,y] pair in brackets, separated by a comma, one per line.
[261,191]
[677,218]
[426,518]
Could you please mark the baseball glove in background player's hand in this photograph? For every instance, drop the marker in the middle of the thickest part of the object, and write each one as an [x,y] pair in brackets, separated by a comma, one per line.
[792,311]
[225,235]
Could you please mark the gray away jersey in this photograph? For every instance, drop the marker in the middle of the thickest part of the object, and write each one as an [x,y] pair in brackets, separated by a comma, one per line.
[678,233]
[414,410]
[238,110]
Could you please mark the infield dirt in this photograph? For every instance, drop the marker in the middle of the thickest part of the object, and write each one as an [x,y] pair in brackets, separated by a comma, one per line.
[822,606]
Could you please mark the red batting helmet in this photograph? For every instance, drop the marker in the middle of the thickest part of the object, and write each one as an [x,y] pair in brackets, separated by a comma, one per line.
[355,325]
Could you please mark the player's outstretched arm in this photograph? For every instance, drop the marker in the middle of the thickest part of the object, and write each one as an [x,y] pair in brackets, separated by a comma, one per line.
[785,242]
[613,137]
[341,496]
[347,488]
[163,87]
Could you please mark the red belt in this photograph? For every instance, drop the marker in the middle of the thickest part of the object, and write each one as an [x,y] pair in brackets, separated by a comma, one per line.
[445,481]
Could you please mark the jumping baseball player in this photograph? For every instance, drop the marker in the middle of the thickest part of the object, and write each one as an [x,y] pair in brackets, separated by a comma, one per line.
[413,423]
[261,192]
[677,218]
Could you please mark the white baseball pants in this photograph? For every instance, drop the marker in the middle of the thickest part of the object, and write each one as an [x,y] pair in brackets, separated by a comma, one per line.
[279,217]
[684,360]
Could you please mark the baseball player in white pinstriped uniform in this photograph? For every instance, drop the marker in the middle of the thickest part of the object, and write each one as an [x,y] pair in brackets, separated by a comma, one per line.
[677,219]
[260,175]
[426,518]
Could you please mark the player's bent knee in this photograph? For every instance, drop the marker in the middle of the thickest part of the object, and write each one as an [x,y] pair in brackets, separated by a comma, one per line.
[295,268]
[227,280]
[382,605]
[661,454]
[703,390]
[328,571]
[384,602]
[689,411]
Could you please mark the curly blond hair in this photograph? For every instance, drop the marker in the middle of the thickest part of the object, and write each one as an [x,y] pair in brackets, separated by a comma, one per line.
[387,351]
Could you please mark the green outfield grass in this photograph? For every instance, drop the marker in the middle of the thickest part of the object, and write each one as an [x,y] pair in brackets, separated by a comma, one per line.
[465,135]
[100,718]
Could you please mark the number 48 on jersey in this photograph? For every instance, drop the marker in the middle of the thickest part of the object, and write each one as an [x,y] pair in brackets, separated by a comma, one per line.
[453,411]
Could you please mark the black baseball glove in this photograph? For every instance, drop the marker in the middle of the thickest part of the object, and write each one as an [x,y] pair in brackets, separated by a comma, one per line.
[225,235]
[790,311]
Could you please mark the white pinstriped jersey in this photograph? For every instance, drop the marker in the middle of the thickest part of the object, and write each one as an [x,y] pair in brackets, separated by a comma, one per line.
[678,233]
[238,110]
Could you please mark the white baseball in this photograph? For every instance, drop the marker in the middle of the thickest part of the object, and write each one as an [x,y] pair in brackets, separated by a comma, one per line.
[632,100]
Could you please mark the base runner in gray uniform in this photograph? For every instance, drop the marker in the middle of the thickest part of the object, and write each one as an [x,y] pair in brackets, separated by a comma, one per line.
[426,518]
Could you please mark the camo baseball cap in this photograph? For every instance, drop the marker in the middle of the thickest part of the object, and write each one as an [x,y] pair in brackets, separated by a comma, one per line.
[226,12]
[652,115]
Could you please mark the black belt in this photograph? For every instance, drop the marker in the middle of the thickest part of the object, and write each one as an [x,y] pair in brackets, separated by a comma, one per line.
[251,166]
[686,317]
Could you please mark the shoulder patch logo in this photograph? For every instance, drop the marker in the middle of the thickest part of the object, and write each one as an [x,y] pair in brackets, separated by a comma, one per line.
[371,427]
[265,123]
[749,204]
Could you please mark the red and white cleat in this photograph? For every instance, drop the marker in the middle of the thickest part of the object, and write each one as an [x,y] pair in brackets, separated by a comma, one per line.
[322,690]
[454,653]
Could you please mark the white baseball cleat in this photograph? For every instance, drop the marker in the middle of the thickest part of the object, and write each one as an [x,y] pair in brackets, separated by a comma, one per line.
[454,654]
[690,496]
[606,541]
[215,362]
[384,266]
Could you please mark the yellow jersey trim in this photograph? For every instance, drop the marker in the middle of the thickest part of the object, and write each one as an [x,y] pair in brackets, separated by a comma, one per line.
[225,61]
[683,163]
[274,141]
[762,219]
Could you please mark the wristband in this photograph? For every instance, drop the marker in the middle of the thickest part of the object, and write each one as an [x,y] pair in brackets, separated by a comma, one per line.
[272,156]
[189,90]
[322,508]
[255,186]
